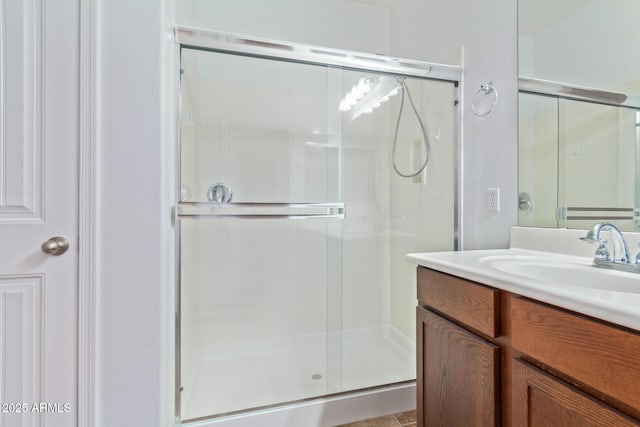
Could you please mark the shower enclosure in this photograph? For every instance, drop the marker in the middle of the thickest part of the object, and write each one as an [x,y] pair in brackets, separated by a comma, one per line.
[292,223]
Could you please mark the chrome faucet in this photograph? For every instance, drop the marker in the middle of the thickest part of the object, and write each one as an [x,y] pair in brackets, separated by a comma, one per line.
[603,258]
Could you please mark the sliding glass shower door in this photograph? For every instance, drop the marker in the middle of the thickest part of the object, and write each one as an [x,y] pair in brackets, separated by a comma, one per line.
[294,226]
[261,227]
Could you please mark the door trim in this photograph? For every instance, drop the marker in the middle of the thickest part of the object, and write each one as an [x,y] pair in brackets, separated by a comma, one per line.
[87,212]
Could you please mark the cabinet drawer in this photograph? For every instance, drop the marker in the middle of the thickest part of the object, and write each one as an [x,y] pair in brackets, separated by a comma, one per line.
[596,354]
[469,303]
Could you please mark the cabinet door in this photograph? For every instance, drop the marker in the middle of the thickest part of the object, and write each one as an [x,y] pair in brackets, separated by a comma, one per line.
[540,399]
[457,375]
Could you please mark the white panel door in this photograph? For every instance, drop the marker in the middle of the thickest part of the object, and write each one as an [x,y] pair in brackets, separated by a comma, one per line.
[38,200]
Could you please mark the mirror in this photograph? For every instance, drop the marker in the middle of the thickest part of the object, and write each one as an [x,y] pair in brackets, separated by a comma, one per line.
[588,43]
[579,113]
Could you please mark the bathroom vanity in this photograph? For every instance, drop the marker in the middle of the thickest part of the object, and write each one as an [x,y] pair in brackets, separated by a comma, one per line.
[499,346]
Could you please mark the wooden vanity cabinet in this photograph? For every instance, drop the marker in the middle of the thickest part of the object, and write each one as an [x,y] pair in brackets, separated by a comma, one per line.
[458,364]
[487,357]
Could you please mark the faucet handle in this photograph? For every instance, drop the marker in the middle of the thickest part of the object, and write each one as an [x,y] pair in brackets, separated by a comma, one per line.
[637,257]
[602,253]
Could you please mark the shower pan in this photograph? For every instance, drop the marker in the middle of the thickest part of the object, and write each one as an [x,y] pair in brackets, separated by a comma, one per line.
[293,224]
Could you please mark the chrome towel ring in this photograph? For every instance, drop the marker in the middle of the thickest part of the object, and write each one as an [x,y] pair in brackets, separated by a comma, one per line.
[484,99]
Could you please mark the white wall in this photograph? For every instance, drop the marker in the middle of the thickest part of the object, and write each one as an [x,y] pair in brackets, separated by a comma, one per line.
[330,23]
[134,259]
[484,36]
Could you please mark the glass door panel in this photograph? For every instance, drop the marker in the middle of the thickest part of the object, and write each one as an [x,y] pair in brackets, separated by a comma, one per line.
[255,311]
[261,263]
[390,216]
[267,129]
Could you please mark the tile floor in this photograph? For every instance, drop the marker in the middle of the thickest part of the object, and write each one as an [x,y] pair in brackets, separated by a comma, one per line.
[404,419]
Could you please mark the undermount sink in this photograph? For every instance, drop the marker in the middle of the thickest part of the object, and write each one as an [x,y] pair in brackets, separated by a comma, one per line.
[567,271]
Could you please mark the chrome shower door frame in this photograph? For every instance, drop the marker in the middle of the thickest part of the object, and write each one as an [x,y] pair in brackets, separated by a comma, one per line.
[234,44]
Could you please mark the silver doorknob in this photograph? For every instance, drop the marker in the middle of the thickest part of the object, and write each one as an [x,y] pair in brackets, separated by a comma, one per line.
[55,246]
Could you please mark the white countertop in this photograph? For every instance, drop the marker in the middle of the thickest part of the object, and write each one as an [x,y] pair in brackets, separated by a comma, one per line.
[619,307]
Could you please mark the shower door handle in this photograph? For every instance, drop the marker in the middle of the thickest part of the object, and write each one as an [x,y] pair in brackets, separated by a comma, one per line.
[219,193]
[260,210]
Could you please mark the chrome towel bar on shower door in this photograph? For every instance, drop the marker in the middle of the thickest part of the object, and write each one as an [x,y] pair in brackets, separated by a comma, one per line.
[259,210]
